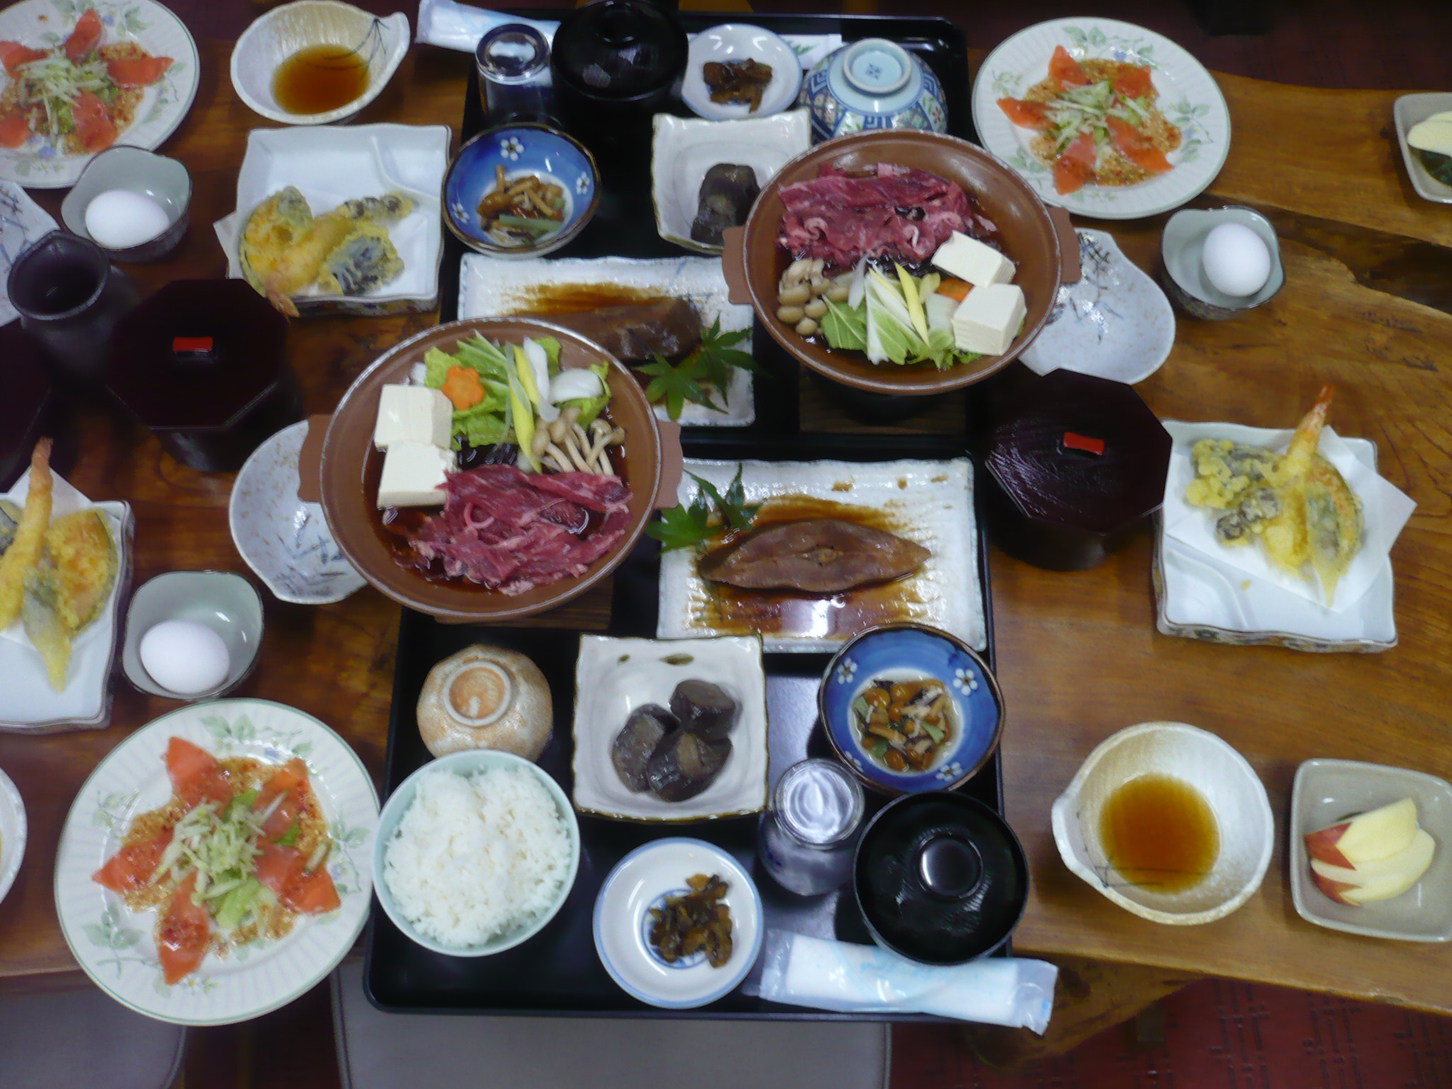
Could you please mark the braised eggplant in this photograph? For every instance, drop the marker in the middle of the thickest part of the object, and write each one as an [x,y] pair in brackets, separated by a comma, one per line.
[705,709]
[684,764]
[632,748]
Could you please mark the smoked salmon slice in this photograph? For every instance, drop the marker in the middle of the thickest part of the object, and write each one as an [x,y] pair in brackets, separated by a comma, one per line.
[94,127]
[288,783]
[131,867]
[1075,167]
[184,933]
[1136,146]
[1066,69]
[281,870]
[85,37]
[1025,114]
[1133,82]
[14,129]
[14,54]
[137,71]
[196,776]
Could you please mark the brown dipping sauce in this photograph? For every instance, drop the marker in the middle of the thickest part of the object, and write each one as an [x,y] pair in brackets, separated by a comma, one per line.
[320,78]
[734,610]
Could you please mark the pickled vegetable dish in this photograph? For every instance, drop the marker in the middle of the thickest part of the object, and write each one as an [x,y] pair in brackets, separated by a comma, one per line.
[235,856]
[698,921]
[906,725]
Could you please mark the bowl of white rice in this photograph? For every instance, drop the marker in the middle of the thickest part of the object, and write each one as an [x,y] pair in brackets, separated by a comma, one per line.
[475,853]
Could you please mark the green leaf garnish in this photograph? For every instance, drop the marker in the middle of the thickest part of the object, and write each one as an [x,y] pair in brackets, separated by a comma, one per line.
[689,525]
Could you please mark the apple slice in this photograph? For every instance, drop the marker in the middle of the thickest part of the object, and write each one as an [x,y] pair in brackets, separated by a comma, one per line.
[1383,888]
[1415,856]
[1365,837]
[1336,890]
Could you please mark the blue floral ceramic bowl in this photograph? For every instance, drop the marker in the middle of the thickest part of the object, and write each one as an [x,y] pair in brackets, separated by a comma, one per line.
[568,182]
[873,84]
[940,758]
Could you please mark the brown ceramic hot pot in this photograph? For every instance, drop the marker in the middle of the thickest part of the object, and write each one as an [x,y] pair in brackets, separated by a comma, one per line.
[1041,244]
[350,468]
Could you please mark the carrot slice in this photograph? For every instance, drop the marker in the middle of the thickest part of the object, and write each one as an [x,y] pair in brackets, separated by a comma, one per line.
[954,288]
[14,54]
[1066,69]
[1025,114]
[1133,82]
[132,866]
[14,129]
[183,934]
[85,37]
[94,127]
[1075,167]
[195,774]
[1137,147]
[137,71]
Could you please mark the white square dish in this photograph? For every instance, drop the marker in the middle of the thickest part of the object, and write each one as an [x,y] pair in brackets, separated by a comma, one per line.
[929,502]
[332,165]
[1210,594]
[28,703]
[1408,111]
[1326,791]
[499,287]
[683,149]
[614,676]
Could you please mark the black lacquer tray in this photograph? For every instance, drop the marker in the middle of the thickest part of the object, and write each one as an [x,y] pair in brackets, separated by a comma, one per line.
[557,971]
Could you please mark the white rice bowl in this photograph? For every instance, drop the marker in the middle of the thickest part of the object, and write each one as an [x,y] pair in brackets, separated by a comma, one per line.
[481,855]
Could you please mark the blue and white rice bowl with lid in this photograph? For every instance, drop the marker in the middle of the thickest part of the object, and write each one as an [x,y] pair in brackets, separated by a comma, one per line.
[873,84]
[912,652]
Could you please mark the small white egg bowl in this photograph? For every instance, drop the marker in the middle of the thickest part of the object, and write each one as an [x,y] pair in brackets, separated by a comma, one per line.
[622,922]
[154,177]
[223,601]
[12,833]
[1215,770]
[286,30]
[1182,253]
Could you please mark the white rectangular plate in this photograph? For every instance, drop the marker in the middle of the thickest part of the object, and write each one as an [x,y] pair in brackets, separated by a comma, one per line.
[492,287]
[929,502]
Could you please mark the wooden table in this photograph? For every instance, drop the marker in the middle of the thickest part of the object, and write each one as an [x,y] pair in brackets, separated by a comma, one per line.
[1366,306]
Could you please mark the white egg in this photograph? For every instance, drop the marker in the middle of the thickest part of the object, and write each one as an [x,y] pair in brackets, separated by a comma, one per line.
[184,656]
[1236,259]
[120,218]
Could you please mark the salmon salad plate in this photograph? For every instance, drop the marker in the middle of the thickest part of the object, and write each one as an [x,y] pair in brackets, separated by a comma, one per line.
[78,76]
[1102,117]
[215,865]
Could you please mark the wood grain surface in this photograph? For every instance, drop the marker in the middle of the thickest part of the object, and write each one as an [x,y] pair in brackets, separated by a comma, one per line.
[1367,305]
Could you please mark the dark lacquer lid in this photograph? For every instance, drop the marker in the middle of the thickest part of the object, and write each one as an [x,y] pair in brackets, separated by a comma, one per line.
[1075,454]
[198,354]
[618,49]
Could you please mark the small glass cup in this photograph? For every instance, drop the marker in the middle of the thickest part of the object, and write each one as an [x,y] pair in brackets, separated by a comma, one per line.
[513,62]
[807,837]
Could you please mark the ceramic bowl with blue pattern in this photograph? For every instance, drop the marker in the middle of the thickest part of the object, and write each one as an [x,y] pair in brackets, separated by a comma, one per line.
[960,741]
[873,84]
[569,184]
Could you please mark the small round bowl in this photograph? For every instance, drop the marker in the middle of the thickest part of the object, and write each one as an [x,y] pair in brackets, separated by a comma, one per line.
[1216,772]
[642,880]
[519,150]
[873,84]
[468,763]
[1182,247]
[738,42]
[940,878]
[284,31]
[12,833]
[913,652]
[1030,237]
[160,179]
[351,467]
[225,602]
[284,539]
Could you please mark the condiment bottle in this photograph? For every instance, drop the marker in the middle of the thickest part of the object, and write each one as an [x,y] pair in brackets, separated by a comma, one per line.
[807,837]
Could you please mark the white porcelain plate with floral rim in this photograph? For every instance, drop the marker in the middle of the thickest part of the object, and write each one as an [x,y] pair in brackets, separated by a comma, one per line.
[927,502]
[1187,95]
[502,287]
[1230,595]
[117,947]
[615,676]
[39,163]
[1115,322]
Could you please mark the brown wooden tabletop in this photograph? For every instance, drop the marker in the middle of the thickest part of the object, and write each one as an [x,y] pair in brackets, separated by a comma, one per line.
[1367,305]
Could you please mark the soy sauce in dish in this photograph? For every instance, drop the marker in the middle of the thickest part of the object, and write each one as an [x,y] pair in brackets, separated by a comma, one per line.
[320,78]
[1160,833]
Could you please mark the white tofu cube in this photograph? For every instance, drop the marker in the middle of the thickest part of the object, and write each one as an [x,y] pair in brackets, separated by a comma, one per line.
[413,475]
[977,262]
[989,318]
[412,414]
